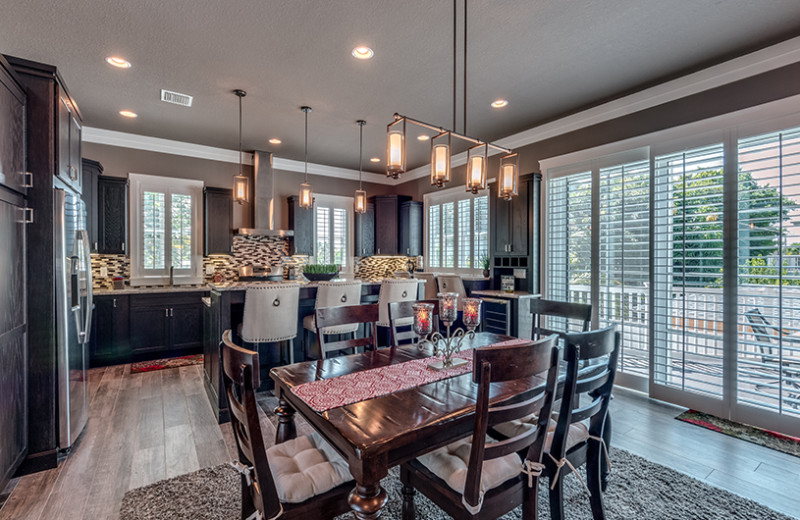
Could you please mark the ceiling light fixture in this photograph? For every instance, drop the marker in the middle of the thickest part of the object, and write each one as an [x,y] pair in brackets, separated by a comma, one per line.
[241,184]
[116,61]
[360,202]
[128,113]
[306,195]
[363,53]
[477,156]
[423,137]
[508,177]
[499,103]
[275,140]
[375,159]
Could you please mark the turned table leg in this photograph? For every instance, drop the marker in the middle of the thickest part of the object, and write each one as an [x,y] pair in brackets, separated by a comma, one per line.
[286,427]
[367,501]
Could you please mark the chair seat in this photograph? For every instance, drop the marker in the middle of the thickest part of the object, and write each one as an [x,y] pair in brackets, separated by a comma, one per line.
[308,324]
[305,467]
[577,433]
[450,464]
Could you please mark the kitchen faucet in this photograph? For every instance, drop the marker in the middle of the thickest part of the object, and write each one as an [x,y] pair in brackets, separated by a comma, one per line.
[171,275]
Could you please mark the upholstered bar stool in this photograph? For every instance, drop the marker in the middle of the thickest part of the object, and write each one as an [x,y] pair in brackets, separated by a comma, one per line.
[452,283]
[270,315]
[394,290]
[331,294]
[431,289]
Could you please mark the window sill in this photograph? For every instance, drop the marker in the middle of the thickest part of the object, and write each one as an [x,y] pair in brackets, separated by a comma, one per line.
[163,281]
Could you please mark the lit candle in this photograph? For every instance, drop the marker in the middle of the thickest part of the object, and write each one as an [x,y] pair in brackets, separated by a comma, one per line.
[447,306]
[472,312]
[423,325]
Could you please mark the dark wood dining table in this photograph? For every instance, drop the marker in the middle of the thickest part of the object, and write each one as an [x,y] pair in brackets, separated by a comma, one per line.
[376,434]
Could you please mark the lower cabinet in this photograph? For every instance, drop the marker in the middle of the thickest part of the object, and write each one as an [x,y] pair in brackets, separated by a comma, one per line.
[141,326]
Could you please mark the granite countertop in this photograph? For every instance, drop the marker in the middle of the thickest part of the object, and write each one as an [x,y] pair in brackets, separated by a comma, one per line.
[516,295]
[239,286]
[152,290]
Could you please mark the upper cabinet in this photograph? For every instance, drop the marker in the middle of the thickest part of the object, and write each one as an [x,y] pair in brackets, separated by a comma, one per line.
[398,225]
[12,139]
[511,222]
[112,215]
[302,222]
[217,221]
[411,228]
[91,171]
[69,142]
[364,229]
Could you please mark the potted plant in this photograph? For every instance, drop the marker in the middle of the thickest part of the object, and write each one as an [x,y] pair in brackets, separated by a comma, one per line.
[484,261]
[320,272]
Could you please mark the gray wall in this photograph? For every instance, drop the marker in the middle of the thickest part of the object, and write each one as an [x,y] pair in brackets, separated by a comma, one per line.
[119,162]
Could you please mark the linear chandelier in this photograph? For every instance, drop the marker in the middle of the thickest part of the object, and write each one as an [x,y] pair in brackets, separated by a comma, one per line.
[441,151]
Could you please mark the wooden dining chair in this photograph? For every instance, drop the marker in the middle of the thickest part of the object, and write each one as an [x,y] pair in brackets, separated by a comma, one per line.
[475,478]
[401,319]
[564,313]
[300,479]
[337,317]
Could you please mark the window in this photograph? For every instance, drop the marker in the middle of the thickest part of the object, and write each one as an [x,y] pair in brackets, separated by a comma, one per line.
[332,230]
[457,229]
[165,215]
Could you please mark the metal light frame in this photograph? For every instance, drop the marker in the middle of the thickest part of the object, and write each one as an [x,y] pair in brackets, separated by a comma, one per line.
[508,176]
[440,178]
[360,200]
[241,184]
[306,194]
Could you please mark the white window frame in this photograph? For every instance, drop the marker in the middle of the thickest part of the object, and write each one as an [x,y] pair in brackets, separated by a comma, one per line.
[453,195]
[139,183]
[337,202]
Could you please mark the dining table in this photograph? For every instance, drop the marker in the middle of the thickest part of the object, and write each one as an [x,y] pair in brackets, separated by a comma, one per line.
[376,433]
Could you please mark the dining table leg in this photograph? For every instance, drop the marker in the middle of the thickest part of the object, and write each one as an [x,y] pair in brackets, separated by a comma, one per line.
[368,497]
[286,428]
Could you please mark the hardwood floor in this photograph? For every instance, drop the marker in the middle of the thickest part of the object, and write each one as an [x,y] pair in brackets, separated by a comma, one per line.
[155,425]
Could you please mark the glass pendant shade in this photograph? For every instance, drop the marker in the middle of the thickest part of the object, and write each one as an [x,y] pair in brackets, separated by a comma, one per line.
[306,196]
[508,177]
[396,148]
[241,188]
[440,159]
[476,168]
[360,202]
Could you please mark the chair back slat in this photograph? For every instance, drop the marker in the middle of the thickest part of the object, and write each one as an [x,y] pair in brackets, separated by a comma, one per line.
[328,317]
[507,363]
[572,312]
[401,315]
[240,374]
[586,411]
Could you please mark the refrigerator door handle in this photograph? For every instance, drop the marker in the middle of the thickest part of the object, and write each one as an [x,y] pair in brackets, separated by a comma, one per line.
[75,297]
[84,242]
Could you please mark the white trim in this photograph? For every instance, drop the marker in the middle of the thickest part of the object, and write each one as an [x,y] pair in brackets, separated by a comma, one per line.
[337,202]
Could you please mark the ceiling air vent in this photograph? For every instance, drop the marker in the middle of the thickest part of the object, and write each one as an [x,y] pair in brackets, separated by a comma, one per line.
[176,98]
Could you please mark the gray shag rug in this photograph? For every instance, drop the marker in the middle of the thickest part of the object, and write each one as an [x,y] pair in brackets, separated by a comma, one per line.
[638,489]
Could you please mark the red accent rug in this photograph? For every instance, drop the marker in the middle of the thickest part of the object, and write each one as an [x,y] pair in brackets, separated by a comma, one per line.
[768,438]
[160,364]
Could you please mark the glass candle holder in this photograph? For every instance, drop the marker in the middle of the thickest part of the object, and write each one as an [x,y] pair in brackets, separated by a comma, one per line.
[472,313]
[423,318]
[448,305]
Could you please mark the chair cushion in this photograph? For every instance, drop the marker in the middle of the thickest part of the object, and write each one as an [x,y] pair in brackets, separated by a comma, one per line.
[308,323]
[577,433]
[450,464]
[305,467]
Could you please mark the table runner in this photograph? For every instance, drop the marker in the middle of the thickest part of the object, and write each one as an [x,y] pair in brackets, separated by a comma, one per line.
[326,394]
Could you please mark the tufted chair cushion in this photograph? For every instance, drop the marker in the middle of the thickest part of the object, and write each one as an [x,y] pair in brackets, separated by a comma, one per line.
[270,313]
[577,433]
[335,294]
[305,467]
[450,464]
[394,291]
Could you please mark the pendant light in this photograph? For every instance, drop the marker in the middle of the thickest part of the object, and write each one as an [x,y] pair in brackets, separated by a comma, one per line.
[241,184]
[440,159]
[476,168]
[508,177]
[306,195]
[360,202]
[396,148]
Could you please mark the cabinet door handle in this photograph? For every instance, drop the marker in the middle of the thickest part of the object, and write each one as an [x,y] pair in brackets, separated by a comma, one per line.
[166,313]
[122,246]
[114,302]
[27,180]
[95,246]
[73,173]
[27,215]
[170,313]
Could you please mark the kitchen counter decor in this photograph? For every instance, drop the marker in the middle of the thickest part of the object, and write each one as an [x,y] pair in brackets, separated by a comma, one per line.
[320,272]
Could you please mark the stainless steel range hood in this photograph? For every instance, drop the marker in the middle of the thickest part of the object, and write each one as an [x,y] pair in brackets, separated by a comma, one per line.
[265,206]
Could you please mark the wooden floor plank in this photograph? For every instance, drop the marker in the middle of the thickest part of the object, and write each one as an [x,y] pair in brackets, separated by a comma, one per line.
[180,452]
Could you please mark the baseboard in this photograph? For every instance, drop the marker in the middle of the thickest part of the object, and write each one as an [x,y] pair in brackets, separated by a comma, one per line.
[36,462]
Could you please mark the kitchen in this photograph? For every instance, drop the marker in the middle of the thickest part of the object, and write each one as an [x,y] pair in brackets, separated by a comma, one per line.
[148,195]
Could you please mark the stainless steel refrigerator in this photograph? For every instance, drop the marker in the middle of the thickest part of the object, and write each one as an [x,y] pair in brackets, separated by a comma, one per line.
[73,278]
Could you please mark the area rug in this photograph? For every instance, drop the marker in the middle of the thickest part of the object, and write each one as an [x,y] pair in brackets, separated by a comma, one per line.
[638,489]
[768,438]
[160,364]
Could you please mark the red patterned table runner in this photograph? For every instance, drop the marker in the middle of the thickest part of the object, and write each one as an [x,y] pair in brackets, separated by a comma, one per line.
[326,394]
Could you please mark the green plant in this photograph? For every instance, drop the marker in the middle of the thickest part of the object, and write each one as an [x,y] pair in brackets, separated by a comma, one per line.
[321,268]
[484,261]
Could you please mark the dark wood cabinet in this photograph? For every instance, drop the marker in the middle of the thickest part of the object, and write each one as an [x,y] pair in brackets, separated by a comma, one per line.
[217,221]
[166,322]
[364,230]
[410,228]
[69,142]
[110,342]
[302,223]
[186,325]
[91,171]
[12,138]
[387,214]
[112,215]
[511,224]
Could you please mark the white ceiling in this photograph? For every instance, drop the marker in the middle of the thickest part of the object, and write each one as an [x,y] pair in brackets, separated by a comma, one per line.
[547,57]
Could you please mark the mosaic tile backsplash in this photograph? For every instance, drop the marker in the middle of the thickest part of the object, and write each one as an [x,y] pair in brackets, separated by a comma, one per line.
[378,267]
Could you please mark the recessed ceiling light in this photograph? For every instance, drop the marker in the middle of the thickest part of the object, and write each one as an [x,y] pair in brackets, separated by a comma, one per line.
[375,159]
[116,61]
[128,113]
[275,140]
[499,103]
[423,137]
[363,53]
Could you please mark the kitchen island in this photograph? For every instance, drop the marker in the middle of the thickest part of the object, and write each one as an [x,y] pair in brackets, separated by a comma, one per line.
[225,310]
